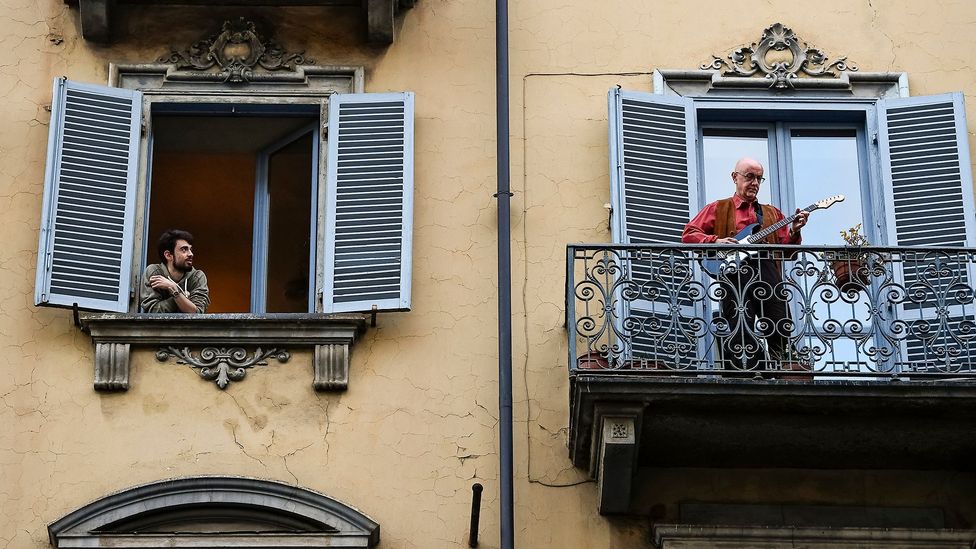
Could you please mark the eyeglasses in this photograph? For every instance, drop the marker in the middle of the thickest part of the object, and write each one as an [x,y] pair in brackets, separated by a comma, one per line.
[750,177]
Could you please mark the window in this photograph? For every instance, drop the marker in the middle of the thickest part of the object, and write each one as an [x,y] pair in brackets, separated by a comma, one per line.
[245,185]
[215,511]
[902,162]
[279,228]
[810,162]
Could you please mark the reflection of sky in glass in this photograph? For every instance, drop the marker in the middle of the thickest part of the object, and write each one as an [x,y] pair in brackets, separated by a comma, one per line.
[824,167]
[720,155]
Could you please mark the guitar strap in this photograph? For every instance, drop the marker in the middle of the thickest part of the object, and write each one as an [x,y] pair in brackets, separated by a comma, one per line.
[759,215]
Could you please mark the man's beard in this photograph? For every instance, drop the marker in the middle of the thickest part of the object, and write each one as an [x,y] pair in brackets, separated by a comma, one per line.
[183,266]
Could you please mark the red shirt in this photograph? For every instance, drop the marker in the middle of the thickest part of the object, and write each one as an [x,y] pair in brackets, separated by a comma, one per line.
[701,229]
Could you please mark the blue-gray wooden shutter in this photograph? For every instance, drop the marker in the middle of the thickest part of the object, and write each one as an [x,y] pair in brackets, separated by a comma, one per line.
[653,188]
[369,202]
[929,192]
[85,251]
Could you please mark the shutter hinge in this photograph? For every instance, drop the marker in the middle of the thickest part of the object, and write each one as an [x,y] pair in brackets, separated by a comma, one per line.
[874,138]
[143,130]
[325,130]
[48,262]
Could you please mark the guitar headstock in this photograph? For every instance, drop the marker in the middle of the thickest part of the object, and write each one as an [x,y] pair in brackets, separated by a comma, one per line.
[828,202]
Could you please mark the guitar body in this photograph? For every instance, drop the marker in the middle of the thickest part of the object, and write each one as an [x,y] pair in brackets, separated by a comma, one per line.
[724,261]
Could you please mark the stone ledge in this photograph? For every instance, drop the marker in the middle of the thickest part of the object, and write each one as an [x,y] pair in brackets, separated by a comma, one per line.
[329,336]
[667,536]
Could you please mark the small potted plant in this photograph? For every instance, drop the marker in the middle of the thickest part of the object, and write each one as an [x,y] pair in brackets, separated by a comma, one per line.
[851,264]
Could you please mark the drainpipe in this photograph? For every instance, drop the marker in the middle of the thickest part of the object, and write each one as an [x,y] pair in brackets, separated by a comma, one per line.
[504,195]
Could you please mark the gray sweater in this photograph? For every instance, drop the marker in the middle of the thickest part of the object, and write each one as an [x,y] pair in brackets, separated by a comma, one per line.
[194,283]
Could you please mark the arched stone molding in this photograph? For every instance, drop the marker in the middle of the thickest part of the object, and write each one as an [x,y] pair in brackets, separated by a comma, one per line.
[217,511]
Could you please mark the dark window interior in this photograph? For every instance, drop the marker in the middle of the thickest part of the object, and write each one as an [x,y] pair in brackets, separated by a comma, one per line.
[203,179]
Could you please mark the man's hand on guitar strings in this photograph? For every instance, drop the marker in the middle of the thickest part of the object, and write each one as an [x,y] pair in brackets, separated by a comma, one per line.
[801,220]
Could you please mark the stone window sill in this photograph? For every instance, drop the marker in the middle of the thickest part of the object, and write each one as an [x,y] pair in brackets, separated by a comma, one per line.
[222,347]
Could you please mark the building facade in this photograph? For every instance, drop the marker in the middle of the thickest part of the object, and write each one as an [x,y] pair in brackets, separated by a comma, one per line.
[336,162]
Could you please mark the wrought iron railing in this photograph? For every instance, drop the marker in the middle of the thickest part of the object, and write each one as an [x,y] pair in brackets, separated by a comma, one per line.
[790,312]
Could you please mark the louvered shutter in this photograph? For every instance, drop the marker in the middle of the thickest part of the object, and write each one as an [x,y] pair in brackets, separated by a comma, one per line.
[653,188]
[85,250]
[652,166]
[369,202]
[925,159]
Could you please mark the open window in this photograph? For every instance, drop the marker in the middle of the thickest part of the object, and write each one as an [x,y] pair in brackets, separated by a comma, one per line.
[302,205]
[245,184]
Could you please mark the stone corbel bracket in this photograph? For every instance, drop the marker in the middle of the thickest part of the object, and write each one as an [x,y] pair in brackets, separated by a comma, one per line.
[614,454]
[330,337]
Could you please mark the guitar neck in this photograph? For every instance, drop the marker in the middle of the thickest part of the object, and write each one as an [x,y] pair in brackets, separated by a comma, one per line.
[761,235]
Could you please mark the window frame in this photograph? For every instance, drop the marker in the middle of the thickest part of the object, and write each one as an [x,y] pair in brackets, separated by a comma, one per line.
[320,83]
[159,84]
[143,241]
[860,114]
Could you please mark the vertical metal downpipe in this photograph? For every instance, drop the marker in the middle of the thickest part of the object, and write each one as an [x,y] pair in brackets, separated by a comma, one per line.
[476,489]
[504,194]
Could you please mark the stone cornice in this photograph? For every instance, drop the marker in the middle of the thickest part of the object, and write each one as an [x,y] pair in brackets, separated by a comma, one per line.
[223,340]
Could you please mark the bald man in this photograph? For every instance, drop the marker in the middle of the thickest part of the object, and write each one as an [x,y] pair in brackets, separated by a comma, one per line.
[718,223]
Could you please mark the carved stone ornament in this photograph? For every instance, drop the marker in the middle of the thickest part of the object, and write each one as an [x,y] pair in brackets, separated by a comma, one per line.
[237,50]
[782,67]
[220,364]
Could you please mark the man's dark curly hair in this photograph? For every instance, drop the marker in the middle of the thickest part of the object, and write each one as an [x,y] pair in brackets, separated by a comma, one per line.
[167,242]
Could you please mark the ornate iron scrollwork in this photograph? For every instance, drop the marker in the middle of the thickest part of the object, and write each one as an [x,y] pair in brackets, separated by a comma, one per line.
[237,50]
[221,364]
[897,312]
[755,59]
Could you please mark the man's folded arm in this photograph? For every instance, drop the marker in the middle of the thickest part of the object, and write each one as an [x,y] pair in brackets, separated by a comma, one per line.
[200,295]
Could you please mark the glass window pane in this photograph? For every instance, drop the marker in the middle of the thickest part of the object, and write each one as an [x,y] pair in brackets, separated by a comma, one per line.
[825,164]
[289,219]
[721,149]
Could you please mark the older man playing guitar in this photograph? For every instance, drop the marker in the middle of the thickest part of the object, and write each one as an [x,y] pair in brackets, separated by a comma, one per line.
[749,283]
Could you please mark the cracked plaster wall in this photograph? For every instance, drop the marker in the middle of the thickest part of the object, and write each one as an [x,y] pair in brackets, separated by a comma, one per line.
[565,57]
[417,425]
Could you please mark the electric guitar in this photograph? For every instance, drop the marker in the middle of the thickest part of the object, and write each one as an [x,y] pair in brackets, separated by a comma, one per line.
[734,258]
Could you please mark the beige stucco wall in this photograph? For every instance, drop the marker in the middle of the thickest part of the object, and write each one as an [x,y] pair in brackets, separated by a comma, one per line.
[418,425]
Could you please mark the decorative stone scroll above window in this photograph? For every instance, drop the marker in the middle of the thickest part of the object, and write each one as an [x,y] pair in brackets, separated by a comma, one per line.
[236,52]
[781,70]
[240,58]
[218,512]
[779,63]
[223,347]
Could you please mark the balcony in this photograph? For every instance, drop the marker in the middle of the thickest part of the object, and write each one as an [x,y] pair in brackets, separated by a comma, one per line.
[825,357]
